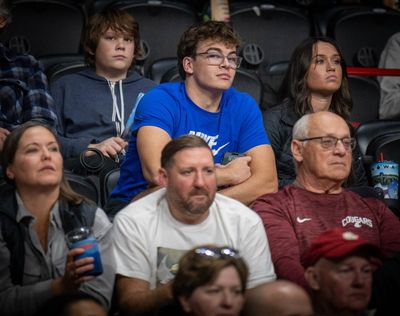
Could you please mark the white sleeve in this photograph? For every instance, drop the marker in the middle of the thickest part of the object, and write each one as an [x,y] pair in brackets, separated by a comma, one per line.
[131,249]
[255,251]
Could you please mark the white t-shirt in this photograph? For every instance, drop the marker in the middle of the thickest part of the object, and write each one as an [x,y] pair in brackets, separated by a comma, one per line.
[149,241]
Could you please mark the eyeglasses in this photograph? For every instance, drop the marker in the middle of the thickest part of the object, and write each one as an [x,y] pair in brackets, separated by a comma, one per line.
[216,59]
[330,142]
[217,252]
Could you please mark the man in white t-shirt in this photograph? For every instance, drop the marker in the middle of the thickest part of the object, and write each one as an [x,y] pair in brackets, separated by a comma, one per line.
[152,233]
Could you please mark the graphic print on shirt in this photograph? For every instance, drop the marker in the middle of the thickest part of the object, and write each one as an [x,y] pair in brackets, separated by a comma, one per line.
[357,221]
[211,141]
[301,220]
[167,264]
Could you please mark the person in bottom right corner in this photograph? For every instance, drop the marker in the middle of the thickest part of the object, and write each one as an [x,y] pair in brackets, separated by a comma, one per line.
[338,269]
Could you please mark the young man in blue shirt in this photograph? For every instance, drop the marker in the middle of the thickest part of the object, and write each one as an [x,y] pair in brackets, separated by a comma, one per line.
[206,105]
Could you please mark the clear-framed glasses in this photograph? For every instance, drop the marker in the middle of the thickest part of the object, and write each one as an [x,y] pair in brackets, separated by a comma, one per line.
[330,142]
[216,58]
[217,252]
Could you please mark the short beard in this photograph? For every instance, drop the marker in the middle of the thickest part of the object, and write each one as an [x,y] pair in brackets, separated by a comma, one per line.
[195,208]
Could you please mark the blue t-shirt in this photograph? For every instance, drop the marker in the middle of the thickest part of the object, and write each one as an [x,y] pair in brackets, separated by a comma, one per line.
[237,127]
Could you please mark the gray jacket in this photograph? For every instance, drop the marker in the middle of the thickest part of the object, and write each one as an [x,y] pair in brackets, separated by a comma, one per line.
[41,267]
[390,85]
[89,108]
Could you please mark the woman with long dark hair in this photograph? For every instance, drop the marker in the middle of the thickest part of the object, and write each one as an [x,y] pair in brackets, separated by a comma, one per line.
[316,80]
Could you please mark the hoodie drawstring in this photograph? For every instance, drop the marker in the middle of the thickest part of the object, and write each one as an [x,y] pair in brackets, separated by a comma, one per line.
[117,116]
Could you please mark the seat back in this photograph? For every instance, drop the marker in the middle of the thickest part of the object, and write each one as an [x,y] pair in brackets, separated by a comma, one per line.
[52,62]
[61,69]
[276,29]
[171,75]
[160,67]
[272,80]
[248,81]
[363,33]
[108,183]
[161,25]
[84,186]
[365,93]
[368,131]
[45,27]
[387,146]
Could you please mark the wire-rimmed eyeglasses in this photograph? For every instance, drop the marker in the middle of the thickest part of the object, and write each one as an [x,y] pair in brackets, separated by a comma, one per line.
[217,252]
[330,142]
[216,58]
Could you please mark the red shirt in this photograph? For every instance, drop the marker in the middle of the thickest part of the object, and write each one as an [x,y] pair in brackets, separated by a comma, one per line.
[293,217]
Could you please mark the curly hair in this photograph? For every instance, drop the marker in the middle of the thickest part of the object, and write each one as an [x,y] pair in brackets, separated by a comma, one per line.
[214,30]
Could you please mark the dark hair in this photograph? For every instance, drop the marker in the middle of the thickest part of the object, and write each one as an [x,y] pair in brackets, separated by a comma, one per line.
[60,304]
[178,144]
[294,85]
[214,30]
[10,147]
[197,270]
[119,21]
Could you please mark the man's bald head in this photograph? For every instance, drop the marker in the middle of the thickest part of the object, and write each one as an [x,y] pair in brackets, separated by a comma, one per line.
[279,298]
[307,123]
[322,150]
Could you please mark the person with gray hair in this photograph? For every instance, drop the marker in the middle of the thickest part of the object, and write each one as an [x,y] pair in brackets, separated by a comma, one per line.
[316,201]
[24,93]
[338,268]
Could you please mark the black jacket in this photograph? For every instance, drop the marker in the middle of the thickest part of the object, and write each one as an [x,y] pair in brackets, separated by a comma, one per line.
[278,122]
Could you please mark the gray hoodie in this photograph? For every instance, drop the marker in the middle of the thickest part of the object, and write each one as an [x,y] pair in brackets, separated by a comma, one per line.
[91,109]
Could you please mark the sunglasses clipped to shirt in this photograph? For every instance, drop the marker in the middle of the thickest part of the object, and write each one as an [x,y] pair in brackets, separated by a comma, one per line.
[217,252]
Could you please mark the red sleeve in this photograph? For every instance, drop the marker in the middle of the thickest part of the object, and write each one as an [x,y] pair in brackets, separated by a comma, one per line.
[282,239]
[389,228]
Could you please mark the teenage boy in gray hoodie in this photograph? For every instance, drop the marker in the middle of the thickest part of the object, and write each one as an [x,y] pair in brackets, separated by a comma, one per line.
[93,105]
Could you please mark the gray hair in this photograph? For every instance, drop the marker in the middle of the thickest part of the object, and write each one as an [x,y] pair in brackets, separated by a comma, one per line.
[301,128]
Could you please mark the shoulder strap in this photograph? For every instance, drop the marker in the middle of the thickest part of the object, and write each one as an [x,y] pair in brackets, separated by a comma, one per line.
[13,234]
[77,215]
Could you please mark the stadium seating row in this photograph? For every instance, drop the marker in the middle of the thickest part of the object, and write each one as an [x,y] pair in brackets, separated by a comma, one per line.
[375,139]
[270,29]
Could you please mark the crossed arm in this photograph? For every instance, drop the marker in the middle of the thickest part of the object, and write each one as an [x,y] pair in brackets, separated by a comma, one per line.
[243,179]
[135,296]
